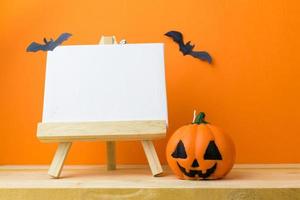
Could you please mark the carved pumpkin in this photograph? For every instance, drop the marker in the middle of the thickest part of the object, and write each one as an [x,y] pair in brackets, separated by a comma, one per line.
[200,151]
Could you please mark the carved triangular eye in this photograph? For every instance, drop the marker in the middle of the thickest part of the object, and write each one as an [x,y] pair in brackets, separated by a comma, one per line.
[212,152]
[179,151]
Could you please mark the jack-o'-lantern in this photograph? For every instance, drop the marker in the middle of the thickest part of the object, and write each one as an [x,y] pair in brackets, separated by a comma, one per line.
[200,151]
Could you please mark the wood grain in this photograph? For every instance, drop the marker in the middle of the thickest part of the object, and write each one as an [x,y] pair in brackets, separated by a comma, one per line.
[260,182]
[109,131]
[133,176]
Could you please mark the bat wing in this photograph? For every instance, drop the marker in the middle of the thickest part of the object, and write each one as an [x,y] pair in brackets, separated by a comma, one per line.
[178,38]
[202,55]
[63,37]
[34,47]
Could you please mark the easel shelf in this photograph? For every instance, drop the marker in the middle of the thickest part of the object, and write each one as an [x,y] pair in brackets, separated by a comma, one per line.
[106,131]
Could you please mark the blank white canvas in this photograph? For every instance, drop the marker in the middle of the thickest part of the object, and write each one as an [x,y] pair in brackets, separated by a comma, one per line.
[105,83]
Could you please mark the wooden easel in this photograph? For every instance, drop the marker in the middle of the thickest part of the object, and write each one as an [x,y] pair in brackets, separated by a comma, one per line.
[66,133]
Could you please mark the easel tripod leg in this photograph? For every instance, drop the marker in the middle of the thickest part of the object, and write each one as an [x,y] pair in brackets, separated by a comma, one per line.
[152,158]
[111,155]
[59,159]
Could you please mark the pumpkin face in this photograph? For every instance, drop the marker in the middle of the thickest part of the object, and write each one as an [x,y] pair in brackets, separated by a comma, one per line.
[200,151]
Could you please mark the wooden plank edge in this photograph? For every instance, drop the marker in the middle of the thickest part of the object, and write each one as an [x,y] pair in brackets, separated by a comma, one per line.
[149,193]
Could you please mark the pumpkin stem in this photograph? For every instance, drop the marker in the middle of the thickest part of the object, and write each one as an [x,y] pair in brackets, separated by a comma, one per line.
[200,119]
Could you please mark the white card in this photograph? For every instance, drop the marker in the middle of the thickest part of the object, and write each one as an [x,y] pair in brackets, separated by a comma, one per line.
[105,83]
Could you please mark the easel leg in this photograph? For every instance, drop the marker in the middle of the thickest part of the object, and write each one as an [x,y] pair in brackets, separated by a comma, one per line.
[152,158]
[111,155]
[59,159]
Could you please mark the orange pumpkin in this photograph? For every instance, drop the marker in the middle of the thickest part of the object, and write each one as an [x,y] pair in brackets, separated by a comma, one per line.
[200,151]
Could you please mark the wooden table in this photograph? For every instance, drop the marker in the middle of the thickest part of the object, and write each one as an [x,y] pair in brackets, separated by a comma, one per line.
[253,182]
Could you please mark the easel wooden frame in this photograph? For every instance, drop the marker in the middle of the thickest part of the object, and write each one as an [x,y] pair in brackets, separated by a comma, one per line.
[66,133]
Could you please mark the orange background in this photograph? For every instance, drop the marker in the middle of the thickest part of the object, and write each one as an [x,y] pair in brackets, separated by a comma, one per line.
[251,90]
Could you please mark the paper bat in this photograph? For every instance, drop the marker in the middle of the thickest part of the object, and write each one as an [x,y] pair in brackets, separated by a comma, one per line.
[187,49]
[49,45]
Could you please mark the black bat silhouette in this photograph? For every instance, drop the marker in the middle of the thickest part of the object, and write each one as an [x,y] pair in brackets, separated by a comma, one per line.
[187,49]
[49,45]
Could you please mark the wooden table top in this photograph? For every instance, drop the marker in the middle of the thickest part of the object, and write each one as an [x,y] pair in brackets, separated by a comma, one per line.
[243,182]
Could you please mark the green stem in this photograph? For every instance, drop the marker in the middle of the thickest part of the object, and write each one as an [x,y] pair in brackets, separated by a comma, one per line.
[200,119]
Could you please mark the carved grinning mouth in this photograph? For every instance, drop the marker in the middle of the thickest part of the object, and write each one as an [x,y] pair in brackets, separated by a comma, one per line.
[192,173]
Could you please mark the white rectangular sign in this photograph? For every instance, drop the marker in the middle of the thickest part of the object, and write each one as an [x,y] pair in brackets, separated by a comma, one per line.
[105,83]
